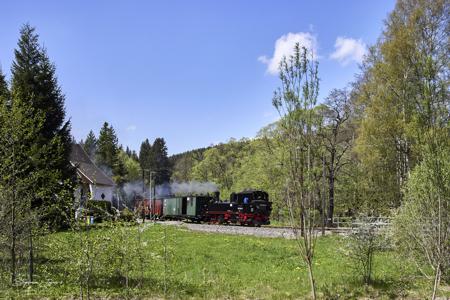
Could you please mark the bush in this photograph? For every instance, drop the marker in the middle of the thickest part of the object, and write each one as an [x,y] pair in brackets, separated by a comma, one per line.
[101,210]
[127,215]
[365,240]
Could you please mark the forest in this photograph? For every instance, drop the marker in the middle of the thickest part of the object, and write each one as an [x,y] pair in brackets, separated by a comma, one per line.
[379,147]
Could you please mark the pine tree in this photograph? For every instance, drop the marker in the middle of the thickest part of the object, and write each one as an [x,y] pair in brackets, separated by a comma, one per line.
[90,145]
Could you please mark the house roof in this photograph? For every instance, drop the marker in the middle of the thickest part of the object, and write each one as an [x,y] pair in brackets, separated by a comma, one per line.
[85,167]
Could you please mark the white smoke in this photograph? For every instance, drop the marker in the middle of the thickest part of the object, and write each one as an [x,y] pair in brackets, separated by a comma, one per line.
[186,188]
[133,188]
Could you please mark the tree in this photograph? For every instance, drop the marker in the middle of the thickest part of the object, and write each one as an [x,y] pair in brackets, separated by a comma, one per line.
[364,241]
[161,164]
[107,146]
[4,92]
[405,78]
[107,155]
[423,223]
[336,139]
[258,167]
[183,164]
[133,169]
[90,145]
[296,101]
[15,199]
[146,155]
[34,84]
[155,159]
[36,174]
[220,163]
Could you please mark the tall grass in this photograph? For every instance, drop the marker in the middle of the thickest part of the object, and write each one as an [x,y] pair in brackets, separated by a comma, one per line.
[180,264]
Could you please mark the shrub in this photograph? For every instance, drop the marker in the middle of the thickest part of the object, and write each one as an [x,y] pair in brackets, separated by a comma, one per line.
[365,240]
[127,215]
[101,210]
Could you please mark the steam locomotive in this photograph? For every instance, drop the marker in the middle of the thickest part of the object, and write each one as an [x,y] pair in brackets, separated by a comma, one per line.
[249,207]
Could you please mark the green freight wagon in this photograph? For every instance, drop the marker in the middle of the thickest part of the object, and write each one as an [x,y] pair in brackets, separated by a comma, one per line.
[196,207]
[173,208]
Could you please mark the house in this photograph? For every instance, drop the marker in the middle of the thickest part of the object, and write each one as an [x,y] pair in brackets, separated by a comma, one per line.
[94,184]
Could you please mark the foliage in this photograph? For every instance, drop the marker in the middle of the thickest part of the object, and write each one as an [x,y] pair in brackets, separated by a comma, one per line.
[100,209]
[107,155]
[423,223]
[90,145]
[35,91]
[337,138]
[364,242]
[220,163]
[296,102]
[133,169]
[36,177]
[204,265]
[404,82]
[183,163]
[154,157]
[127,215]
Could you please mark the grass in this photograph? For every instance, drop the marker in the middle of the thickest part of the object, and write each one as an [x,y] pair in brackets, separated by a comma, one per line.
[204,265]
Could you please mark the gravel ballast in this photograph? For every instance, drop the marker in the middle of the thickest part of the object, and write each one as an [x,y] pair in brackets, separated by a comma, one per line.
[269,232]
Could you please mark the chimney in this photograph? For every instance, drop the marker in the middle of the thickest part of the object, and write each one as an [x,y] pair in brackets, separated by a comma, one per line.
[217,196]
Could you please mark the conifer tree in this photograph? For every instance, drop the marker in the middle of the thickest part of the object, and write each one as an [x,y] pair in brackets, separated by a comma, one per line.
[107,155]
[4,92]
[90,145]
[146,155]
[107,147]
[161,163]
[34,86]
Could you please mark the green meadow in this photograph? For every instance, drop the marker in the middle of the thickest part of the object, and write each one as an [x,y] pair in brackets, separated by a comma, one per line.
[174,263]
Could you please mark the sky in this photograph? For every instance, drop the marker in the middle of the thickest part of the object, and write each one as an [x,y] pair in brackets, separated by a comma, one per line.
[196,73]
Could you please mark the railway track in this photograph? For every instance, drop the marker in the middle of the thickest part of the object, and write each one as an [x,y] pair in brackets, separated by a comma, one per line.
[263,231]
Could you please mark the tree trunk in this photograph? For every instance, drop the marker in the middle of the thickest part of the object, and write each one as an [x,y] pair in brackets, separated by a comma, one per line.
[331,198]
[13,240]
[31,256]
[437,279]
[311,279]
[324,215]
[331,189]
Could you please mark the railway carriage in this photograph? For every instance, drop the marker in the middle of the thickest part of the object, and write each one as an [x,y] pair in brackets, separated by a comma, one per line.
[249,207]
[174,208]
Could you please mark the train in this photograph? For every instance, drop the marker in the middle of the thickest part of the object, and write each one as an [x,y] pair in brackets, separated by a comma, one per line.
[249,207]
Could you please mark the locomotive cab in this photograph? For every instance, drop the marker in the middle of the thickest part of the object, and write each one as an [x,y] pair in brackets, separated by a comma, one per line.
[254,206]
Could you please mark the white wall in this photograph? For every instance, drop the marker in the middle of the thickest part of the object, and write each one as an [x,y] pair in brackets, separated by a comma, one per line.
[98,190]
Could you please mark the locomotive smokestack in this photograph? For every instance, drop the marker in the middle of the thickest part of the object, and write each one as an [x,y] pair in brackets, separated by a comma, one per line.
[217,196]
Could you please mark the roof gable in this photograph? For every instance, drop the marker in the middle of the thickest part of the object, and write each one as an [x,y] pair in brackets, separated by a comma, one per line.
[80,159]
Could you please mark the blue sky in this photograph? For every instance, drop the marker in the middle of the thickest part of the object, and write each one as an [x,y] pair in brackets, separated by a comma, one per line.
[193,72]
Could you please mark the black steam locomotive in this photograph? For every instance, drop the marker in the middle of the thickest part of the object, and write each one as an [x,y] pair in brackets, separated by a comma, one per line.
[249,207]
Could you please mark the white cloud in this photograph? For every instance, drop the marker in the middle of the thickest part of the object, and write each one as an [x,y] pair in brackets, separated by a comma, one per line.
[284,46]
[131,128]
[348,50]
